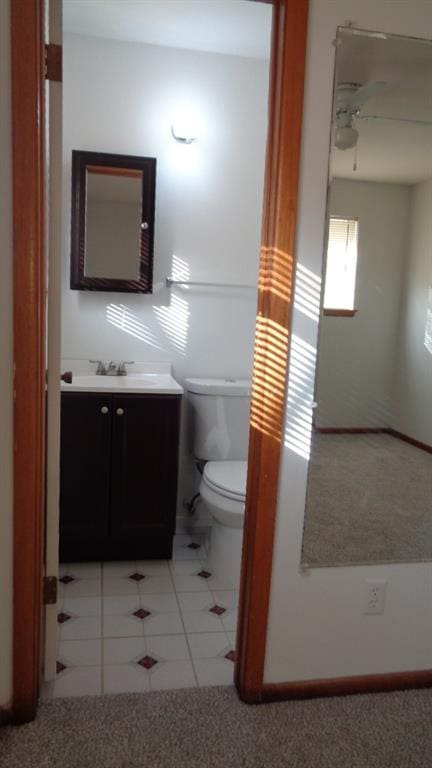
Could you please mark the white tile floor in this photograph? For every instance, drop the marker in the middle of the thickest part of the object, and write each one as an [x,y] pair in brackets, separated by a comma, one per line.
[144,625]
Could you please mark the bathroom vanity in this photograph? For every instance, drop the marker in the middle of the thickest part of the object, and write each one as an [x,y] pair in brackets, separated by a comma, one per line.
[119,466]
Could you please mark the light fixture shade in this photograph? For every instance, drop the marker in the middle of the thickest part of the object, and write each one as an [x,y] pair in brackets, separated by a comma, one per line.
[183,131]
[346,137]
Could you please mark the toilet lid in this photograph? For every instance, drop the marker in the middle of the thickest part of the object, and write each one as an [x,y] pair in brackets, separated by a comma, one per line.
[227,478]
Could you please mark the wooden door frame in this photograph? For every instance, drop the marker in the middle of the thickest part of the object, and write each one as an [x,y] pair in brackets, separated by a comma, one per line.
[275,293]
[28,170]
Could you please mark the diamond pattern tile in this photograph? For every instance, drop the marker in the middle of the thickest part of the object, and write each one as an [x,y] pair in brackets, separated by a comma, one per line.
[141,613]
[147,662]
[164,611]
[204,574]
[62,617]
[137,576]
[66,579]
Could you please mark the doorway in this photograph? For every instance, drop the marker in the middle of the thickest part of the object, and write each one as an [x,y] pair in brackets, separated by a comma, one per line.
[275,284]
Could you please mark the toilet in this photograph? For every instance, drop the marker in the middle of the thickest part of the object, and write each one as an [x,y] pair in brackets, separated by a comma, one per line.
[219,418]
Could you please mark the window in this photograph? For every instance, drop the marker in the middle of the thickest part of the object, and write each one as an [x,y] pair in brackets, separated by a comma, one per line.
[340,279]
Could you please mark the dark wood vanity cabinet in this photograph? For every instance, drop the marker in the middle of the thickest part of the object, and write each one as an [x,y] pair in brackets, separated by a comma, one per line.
[118,465]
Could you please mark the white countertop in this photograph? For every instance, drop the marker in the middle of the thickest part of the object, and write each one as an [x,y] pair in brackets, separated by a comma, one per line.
[142,378]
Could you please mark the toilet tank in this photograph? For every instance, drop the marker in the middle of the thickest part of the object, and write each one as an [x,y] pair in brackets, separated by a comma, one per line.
[219,418]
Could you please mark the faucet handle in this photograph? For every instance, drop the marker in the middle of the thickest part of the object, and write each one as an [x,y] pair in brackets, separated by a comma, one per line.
[100,370]
[121,371]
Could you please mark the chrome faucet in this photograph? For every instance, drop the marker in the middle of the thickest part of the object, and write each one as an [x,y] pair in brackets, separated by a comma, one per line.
[112,369]
[100,370]
[121,370]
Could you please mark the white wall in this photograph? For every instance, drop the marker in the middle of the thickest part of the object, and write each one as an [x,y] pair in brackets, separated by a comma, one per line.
[316,626]
[413,383]
[6,508]
[121,97]
[357,354]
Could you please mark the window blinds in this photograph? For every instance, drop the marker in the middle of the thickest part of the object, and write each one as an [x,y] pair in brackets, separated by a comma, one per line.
[341,267]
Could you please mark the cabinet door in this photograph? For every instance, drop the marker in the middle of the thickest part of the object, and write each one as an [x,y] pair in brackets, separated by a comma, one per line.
[86,423]
[144,468]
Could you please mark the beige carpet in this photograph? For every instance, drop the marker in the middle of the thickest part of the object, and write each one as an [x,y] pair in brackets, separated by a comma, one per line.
[369,501]
[210,728]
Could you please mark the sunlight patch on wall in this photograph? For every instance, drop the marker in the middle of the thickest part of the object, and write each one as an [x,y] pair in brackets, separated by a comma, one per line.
[127,321]
[299,400]
[179,269]
[307,295]
[174,319]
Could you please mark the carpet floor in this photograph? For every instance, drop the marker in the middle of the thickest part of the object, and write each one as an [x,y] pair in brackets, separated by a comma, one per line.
[211,728]
[369,501]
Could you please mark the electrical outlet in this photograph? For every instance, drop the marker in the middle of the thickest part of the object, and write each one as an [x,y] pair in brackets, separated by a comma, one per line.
[375,595]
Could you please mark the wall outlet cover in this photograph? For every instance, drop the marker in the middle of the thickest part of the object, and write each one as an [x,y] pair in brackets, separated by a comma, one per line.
[375,596]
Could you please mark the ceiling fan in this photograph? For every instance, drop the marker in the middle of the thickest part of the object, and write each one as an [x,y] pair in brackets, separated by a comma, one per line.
[350,98]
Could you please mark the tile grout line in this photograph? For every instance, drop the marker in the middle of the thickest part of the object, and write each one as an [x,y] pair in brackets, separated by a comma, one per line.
[185,633]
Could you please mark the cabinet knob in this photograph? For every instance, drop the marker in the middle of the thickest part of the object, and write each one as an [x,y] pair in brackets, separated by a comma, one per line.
[119,411]
[144,225]
[104,409]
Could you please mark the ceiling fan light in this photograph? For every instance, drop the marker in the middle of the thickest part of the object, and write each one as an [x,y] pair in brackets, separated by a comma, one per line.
[346,137]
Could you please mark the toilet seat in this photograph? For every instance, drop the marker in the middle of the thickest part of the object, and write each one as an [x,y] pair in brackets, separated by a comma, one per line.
[227,478]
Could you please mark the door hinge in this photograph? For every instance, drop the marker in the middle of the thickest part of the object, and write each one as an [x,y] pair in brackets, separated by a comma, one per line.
[49,590]
[53,62]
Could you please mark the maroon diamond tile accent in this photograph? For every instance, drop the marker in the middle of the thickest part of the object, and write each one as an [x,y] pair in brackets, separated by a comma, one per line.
[231,656]
[141,613]
[147,662]
[204,574]
[63,617]
[60,667]
[66,579]
[137,576]
[217,609]
[193,545]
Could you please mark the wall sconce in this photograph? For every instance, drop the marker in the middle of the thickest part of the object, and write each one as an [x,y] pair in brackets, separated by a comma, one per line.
[184,131]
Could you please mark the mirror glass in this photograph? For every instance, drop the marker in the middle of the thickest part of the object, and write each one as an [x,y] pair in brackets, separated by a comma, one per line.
[113,221]
[369,497]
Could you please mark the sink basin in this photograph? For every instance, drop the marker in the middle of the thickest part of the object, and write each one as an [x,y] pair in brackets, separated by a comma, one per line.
[138,383]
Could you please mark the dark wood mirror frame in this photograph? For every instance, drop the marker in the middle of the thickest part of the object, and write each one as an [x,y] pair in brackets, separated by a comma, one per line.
[81,161]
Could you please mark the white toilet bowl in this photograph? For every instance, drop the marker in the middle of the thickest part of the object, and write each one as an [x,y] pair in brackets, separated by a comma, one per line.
[223,490]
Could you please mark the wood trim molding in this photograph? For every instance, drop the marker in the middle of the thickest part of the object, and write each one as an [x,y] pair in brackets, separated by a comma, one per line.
[347,686]
[374,430]
[28,81]
[350,430]
[340,312]
[106,170]
[275,290]
[410,440]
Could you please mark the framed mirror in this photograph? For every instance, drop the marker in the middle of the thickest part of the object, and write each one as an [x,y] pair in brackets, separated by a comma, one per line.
[112,222]
[369,497]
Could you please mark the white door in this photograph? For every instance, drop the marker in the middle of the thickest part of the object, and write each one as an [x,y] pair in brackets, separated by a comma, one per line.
[54,162]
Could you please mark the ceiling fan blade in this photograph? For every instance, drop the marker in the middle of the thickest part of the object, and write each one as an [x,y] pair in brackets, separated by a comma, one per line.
[394,119]
[366,92]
